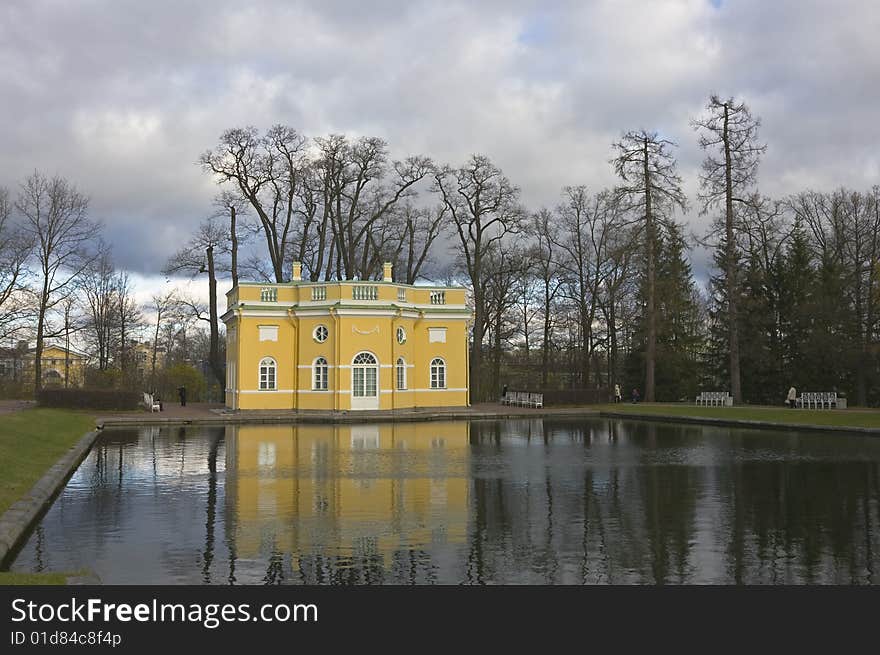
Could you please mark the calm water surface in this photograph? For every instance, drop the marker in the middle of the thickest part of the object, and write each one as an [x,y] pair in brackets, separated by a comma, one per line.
[517,501]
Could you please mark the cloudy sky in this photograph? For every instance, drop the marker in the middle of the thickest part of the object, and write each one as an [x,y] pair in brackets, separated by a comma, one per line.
[121,97]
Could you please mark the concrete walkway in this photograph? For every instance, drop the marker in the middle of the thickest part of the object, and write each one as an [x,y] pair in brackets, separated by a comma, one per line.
[212,414]
[10,406]
[215,414]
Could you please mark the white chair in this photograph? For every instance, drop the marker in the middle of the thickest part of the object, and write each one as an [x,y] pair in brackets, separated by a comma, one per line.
[151,404]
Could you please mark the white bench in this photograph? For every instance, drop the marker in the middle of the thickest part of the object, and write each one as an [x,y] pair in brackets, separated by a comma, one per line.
[715,399]
[523,399]
[151,404]
[820,400]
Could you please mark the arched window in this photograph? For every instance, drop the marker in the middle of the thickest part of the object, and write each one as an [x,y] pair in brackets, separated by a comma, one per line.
[438,374]
[364,375]
[267,374]
[401,374]
[362,359]
[320,377]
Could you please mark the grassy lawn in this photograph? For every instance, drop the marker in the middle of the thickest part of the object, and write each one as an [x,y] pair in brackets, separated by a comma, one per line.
[7,578]
[863,418]
[31,441]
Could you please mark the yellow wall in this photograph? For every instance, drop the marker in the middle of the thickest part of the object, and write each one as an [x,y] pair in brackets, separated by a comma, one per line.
[337,487]
[53,359]
[354,326]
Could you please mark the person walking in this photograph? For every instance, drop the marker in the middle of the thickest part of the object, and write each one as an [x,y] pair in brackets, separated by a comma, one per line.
[792,395]
[617,396]
[635,396]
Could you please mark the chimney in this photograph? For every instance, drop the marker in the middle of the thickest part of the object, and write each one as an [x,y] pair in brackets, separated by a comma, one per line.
[297,271]
[386,272]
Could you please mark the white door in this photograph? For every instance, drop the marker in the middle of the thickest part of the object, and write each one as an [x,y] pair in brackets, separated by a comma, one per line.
[364,382]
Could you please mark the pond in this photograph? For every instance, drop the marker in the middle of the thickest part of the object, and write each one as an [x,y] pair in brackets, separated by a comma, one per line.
[532,501]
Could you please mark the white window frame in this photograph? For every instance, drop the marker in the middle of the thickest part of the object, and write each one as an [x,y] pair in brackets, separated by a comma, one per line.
[362,374]
[268,374]
[316,332]
[320,374]
[401,335]
[438,373]
[401,374]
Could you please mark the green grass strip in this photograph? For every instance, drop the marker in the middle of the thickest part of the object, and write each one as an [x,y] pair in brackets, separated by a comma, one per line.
[31,441]
[861,418]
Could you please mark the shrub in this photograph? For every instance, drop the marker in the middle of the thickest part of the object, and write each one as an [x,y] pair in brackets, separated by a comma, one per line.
[10,390]
[89,398]
[182,375]
[106,379]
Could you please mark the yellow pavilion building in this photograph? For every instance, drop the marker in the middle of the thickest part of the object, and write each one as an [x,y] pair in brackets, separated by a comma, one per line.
[345,345]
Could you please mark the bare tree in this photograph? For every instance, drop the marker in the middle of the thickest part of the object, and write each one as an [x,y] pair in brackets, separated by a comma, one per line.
[129,319]
[504,269]
[586,224]
[549,275]
[651,188]
[845,226]
[729,135]
[414,231]
[327,207]
[484,207]
[361,188]
[200,255]
[163,306]
[16,246]
[74,322]
[98,284]
[618,290]
[55,217]
[235,207]
[267,171]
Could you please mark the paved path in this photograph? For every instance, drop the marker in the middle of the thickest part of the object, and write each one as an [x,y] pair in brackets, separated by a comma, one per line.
[10,406]
[217,414]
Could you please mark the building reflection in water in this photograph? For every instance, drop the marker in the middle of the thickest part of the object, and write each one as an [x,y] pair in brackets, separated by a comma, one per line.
[344,499]
[521,501]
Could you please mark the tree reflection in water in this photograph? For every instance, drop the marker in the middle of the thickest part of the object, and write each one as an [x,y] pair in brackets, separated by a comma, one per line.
[528,501]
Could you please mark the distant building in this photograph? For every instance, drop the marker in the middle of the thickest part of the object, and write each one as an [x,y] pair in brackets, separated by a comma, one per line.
[143,357]
[60,367]
[346,345]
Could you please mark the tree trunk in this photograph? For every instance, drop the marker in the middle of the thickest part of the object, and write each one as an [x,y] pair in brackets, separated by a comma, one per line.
[612,350]
[155,346]
[477,346]
[233,235]
[651,345]
[66,346]
[41,327]
[216,366]
[545,346]
[496,364]
[730,272]
[122,365]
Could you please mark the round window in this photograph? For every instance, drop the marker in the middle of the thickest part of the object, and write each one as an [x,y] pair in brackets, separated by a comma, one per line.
[321,333]
[401,335]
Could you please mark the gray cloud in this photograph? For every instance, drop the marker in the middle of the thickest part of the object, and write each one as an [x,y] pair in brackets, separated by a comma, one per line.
[121,97]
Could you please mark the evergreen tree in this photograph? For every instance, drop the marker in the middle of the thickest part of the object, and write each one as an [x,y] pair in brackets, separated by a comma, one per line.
[680,326]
